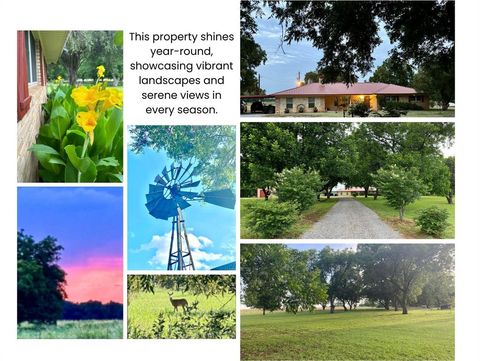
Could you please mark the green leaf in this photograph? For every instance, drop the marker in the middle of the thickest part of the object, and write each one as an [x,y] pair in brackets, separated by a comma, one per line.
[71,174]
[59,96]
[118,38]
[77,132]
[114,122]
[84,165]
[42,148]
[108,162]
[54,160]
[59,122]
[115,177]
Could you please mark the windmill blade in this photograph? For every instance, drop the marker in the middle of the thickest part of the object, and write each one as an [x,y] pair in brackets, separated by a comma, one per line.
[154,196]
[154,188]
[189,185]
[159,179]
[188,194]
[222,197]
[182,203]
[165,174]
[179,168]
[162,208]
[186,170]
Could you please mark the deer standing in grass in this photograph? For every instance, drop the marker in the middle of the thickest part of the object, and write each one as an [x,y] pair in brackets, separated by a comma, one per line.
[178,302]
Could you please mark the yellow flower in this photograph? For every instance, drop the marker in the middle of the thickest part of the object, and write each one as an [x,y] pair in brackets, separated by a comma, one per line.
[100,71]
[87,97]
[113,98]
[88,122]
[59,78]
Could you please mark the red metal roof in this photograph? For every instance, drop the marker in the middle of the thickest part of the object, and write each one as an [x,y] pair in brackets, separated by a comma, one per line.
[343,89]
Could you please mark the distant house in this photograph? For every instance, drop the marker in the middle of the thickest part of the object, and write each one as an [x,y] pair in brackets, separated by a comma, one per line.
[35,49]
[341,191]
[336,96]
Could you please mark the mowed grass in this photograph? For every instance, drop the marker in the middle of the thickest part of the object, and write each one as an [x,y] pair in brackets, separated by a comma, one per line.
[352,335]
[408,227]
[307,217]
[144,307]
[73,329]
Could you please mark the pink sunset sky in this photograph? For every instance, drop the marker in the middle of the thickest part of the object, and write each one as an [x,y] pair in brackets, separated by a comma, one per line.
[98,279]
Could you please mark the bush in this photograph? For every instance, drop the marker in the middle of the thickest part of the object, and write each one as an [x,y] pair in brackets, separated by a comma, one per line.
[270,219]
[361,110]
[189,325]
[355,194]
[298,186]
[433,220]
[402,106]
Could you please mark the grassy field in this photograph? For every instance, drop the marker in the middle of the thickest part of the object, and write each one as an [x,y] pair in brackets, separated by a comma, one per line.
[353,335]
[73,329]
[144,307]
[408,227]
[307,219]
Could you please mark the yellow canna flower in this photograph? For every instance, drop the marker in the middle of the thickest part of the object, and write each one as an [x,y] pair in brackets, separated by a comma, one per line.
[113,98]
[87,97]
[59,78]
[100,71]
[88,122]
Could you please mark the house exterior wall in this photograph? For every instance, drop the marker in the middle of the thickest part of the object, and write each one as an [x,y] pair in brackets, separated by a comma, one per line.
[28,126]
[281,104]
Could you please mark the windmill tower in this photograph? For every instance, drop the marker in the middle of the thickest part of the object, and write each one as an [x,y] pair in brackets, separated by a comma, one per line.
[168,197]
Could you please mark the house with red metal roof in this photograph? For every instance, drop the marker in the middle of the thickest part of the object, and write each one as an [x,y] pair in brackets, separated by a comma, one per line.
[318,97]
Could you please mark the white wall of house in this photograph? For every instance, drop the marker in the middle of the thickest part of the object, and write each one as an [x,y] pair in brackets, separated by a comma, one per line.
[281,104]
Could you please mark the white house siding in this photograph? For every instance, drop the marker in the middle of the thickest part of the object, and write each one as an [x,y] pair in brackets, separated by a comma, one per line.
[281,104]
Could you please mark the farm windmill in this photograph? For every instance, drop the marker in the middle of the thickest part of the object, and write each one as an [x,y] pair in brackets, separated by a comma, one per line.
[167,198]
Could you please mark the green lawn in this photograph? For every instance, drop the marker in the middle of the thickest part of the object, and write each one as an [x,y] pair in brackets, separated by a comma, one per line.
[144,307]
[73,329]
[307,219]
[408,227]
[353,335]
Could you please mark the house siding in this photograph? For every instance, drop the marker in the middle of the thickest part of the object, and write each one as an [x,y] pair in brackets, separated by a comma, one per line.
[281,104]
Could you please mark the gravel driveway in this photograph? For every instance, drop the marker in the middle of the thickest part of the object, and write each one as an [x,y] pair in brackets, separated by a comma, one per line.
[352,220]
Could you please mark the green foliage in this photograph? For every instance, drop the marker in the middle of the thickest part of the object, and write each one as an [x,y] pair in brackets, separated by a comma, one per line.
[188,325]
[393,71]
[84,329]
[401,106]
[361,110]
[298,186]
[433,221]
[271,219]
[63,149]
[212,147]
[399,186]
[40,280]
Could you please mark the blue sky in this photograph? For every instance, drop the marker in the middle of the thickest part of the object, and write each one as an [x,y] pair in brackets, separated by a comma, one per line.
[280,70]
[211,229]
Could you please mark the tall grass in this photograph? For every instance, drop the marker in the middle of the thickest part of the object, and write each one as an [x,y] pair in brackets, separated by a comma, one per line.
[84,329]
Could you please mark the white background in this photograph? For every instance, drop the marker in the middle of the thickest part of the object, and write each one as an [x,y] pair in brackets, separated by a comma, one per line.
[220,16]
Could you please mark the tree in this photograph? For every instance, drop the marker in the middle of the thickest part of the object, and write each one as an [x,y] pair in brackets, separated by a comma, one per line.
[40,280]
[348,31]
[211,147]
[73,54]
[264,280]
[296,185]
[393,71]
[311,77]
[450,163]
[439,290]
[252,55]
[399,186]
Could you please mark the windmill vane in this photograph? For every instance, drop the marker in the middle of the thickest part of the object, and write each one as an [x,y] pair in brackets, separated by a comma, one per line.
[168,197]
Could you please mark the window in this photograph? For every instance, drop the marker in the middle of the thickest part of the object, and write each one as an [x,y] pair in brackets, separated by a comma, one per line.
[311,102]
[391,98]
[415,98]
[289,103]
[31,57]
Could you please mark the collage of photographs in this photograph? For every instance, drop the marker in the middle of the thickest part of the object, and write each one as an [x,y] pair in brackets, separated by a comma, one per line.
[318,226]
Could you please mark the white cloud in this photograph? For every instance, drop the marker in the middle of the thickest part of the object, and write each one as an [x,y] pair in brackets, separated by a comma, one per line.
[198,244]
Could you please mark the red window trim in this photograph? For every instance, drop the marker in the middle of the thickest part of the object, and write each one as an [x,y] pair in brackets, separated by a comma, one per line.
[23,96]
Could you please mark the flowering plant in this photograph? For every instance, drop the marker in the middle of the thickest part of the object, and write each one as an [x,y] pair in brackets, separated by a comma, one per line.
[82,139]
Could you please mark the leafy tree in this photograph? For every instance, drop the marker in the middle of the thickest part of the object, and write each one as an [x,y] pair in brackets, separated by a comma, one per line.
[252,54]
[393,71]
[264,280]
[450,163]
[73,54]
[311,77]
[333,26]
[296,185]
[439,290]
[40,280]
[400,187]
[211,147]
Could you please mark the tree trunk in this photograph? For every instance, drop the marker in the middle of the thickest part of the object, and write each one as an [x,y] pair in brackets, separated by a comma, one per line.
[450,198]
[328,193]
[323,307]
[332,306]
[404,304]
[386,304]
[445,104]
[264,311]
[366,191]
[395,303]
[344,306]
[375,196]
[402,212]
